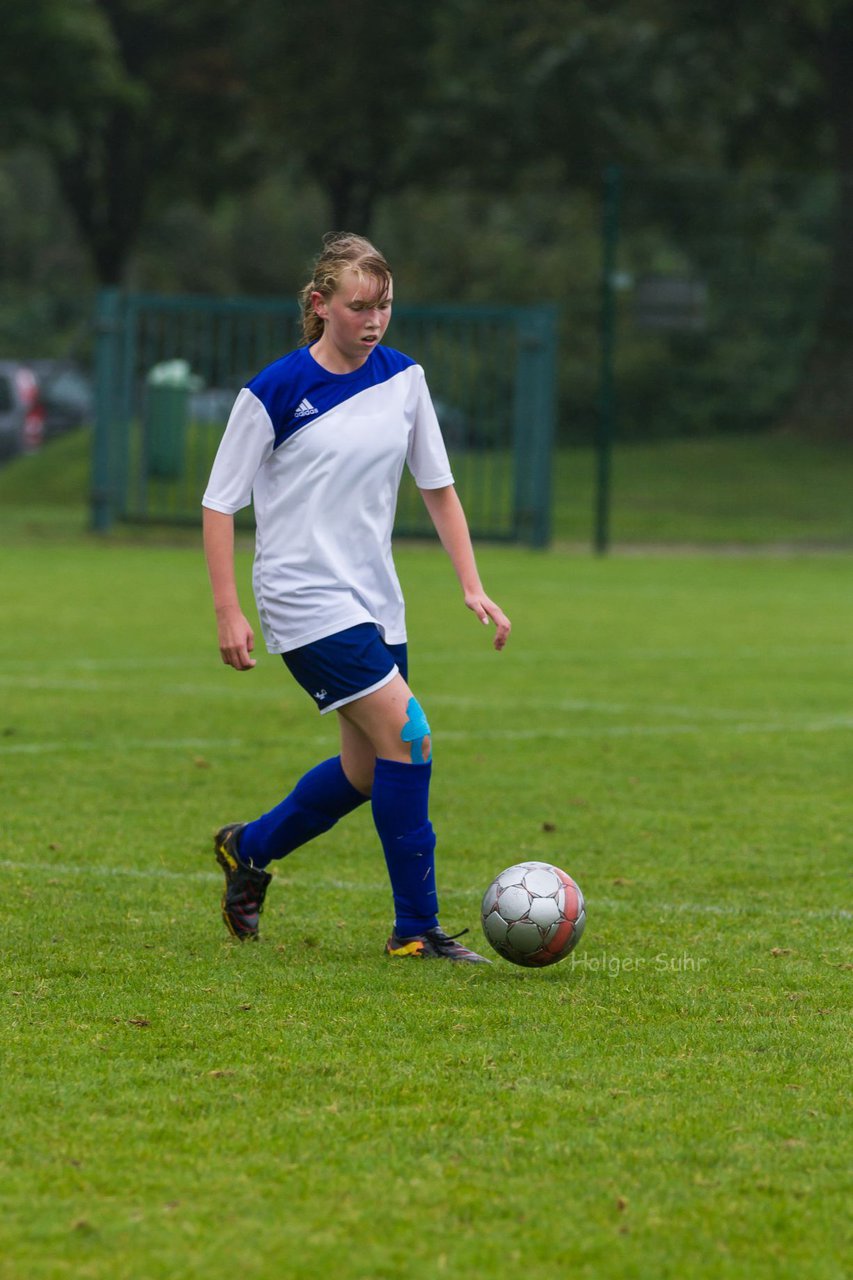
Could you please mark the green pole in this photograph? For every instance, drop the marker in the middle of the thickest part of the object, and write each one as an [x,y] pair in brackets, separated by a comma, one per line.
[533,431]
[607,393]
[107,334]
[543,464]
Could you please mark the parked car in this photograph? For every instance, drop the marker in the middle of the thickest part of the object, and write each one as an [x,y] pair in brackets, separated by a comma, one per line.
[65,393]
[22,414]
[40,399]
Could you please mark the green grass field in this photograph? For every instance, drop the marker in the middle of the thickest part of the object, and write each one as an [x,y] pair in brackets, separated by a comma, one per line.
[668,1102]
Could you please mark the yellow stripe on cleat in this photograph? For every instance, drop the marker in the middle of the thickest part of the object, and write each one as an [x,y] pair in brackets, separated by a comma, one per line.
[414,948]
[226,856]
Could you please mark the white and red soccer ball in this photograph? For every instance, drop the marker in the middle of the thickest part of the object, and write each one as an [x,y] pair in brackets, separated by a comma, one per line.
[533,914]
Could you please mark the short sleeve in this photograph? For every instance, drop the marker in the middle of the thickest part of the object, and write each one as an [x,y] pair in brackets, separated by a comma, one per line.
[245,446]
[427,456]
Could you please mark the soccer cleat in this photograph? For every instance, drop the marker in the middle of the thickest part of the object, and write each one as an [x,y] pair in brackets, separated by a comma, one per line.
[245,887]
[434,944]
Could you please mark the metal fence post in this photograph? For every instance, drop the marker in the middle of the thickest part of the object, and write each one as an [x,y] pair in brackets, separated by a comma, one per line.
[543,456]
[534,423]
[607,391]
[107,339]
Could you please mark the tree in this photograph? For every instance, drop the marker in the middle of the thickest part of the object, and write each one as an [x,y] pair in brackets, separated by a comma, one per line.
[340,84]
[826,393]
[769,90]
[419,97]
[134,101]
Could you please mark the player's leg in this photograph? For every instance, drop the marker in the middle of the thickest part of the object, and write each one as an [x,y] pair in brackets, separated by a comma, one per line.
[396,727]
[358,759]
[320,799]
[336,668]
[245,886]
[392,721]
[386,751]
[400,798]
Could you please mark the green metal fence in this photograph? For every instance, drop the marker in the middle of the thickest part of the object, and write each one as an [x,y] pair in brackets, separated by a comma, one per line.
[168,370]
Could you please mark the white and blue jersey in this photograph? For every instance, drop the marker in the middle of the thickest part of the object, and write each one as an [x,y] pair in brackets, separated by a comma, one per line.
[322,456]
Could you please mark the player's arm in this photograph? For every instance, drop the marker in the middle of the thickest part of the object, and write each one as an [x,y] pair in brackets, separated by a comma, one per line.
[445,511]
[236,638]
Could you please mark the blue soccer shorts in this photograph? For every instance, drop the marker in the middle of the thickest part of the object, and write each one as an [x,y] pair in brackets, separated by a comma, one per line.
[348,665]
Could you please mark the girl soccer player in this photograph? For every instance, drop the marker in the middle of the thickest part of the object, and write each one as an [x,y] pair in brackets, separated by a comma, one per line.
[319,440]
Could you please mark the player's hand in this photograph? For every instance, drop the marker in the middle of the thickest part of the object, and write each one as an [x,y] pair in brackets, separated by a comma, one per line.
[487,611]
[236,639]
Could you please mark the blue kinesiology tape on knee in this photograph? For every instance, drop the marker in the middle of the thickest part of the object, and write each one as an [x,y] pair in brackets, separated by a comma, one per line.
[415,730]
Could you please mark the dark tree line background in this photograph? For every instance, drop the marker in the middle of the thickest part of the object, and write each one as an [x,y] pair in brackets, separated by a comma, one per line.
[204,144]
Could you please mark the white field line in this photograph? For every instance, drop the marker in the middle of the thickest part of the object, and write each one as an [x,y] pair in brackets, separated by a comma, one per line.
[48,869]
[826,725]
[523,703]
[117,746]
[204,662]
[95,664]
[57,684]
[830,724]
[701,716]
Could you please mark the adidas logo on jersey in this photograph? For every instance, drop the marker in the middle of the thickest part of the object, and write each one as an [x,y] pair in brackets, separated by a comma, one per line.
[305,409]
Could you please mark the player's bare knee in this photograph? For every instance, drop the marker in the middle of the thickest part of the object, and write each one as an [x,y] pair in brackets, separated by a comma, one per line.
[416,733]
[362,782]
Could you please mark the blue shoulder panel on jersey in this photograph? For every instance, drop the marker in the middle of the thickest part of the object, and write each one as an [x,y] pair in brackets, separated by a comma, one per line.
[296,390]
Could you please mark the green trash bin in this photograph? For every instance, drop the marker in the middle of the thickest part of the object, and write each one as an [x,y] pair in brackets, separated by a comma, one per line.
[167,405]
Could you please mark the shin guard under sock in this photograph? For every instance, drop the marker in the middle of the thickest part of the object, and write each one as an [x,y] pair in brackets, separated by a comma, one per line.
[400,804]
[315,804]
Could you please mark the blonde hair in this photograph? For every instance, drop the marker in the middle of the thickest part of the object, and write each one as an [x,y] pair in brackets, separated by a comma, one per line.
[341,250]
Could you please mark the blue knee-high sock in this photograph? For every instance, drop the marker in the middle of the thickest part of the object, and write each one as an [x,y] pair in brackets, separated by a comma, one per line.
[315,804]
[400,802]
